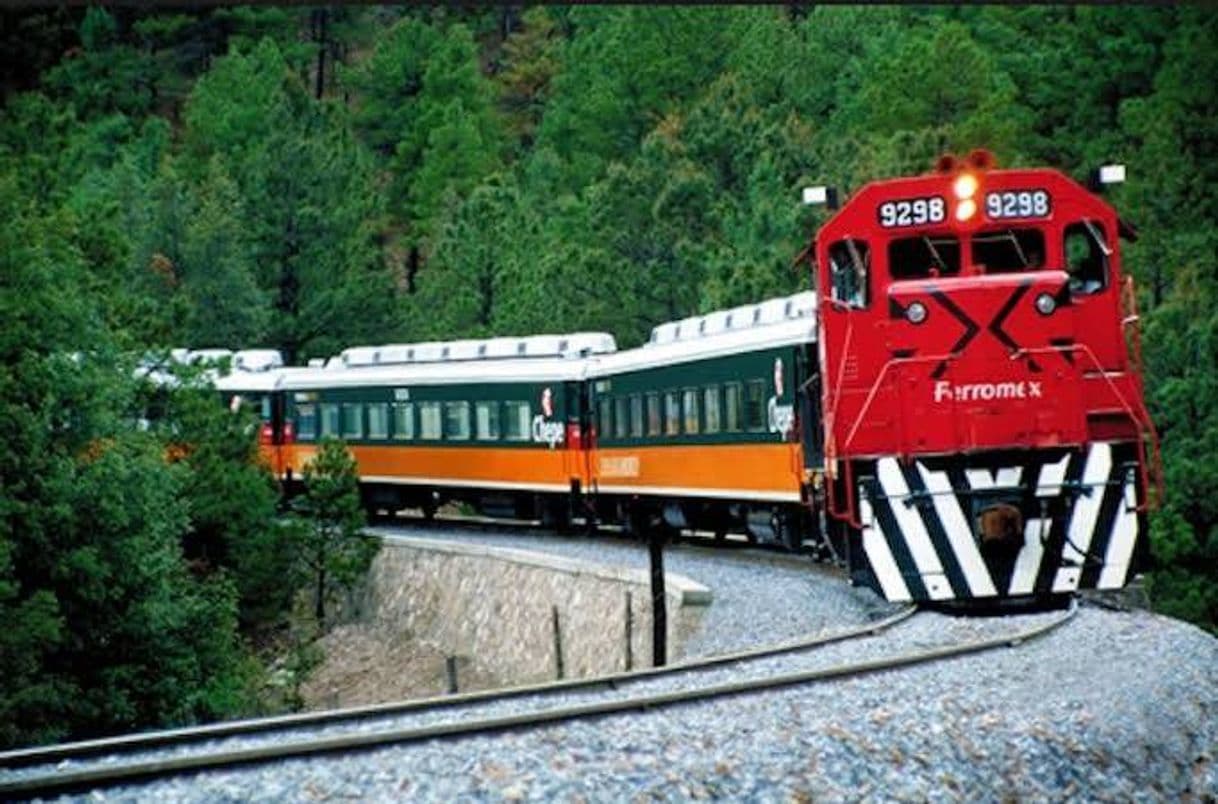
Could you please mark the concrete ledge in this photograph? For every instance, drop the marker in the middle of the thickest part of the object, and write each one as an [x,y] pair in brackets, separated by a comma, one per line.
[518,616]
[686,591]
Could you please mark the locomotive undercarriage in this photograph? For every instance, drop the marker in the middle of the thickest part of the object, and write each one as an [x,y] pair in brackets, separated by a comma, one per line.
[786,526]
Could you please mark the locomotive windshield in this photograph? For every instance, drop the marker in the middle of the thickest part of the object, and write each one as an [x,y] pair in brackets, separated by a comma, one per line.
[1009,250]
[921,257]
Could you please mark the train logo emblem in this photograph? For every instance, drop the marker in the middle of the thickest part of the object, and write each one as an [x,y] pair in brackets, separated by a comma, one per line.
[544,430]
[781,417]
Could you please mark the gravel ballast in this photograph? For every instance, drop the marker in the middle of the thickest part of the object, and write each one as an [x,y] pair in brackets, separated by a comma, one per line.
[1112,706]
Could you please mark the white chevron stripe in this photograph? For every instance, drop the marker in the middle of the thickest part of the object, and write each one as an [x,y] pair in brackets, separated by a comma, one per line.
[1120,545]
[1027,563]
[1083,518]
[1052,475]
[959,534]
[880,557]
[983,480]
[914,531]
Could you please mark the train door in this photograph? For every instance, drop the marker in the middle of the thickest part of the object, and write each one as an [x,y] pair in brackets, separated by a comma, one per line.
[576,440]
[807,393]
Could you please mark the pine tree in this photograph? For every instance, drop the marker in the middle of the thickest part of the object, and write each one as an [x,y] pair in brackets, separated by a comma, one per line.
[331,545]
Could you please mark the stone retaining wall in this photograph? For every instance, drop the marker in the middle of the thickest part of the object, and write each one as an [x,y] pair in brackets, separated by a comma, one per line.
[494,608]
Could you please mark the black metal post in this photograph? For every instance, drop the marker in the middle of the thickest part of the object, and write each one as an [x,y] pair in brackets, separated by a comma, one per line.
[558,667]
[450,669]
[629,631]
[659,607]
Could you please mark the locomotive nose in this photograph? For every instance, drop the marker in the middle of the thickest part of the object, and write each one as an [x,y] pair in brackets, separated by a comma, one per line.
[983,360]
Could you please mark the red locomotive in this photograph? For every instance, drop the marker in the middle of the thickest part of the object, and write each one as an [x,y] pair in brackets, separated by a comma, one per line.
[984,429]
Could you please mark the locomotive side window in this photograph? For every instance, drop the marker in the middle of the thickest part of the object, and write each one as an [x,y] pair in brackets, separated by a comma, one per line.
[754,406]
[1004,251]
[672,413]
[403,420]
[733,407]
[1086,252]
[430,422]
[692,420]
[849,272]
[516,421]
[922,257]
[378,420]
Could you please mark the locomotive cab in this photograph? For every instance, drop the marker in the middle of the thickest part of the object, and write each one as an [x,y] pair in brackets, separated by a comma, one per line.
[974,334]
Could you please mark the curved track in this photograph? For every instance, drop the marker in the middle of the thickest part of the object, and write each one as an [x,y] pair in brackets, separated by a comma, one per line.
[53,770]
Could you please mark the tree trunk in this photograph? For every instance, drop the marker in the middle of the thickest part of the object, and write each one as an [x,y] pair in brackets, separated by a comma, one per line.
[319,603]
[319,34]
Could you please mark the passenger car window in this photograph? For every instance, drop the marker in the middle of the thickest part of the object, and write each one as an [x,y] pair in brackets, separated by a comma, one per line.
[430,421]
[672,413]
[692,420]
[456,421]
[329,419]
[306,422]
[733,407]
[636,416]
[353,420]
[604,417]
[516,421]
[403,420]
[1086,253]
[710,408]
[849,272]
[621,417]
[754,406]
[378,420]
[654,419]
[486,415]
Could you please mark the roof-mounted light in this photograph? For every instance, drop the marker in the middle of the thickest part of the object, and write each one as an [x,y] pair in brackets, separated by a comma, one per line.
[820,195]
[965,186]
[1110,174]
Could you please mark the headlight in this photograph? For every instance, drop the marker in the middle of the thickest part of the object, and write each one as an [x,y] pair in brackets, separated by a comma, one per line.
[1045,304]
[915,313]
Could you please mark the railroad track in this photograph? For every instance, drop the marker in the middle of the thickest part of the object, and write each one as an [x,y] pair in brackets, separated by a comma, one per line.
[82,766]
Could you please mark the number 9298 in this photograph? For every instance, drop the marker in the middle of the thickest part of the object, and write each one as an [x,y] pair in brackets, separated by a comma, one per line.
[1017,204]
[912,212]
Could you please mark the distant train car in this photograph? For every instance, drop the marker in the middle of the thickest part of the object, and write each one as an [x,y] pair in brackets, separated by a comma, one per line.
[253,380]
[985,433]
[498,423]
[708,425]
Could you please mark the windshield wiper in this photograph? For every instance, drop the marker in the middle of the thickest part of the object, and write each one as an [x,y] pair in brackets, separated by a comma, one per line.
[934,254]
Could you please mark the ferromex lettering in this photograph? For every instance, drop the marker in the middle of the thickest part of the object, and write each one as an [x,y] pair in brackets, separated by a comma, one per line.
[946,391]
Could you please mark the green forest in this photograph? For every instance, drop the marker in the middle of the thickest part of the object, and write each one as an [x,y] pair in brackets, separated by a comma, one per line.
[309,178]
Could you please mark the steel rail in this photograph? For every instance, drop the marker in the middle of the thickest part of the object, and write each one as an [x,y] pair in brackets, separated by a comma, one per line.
[162,739]
[65,781]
